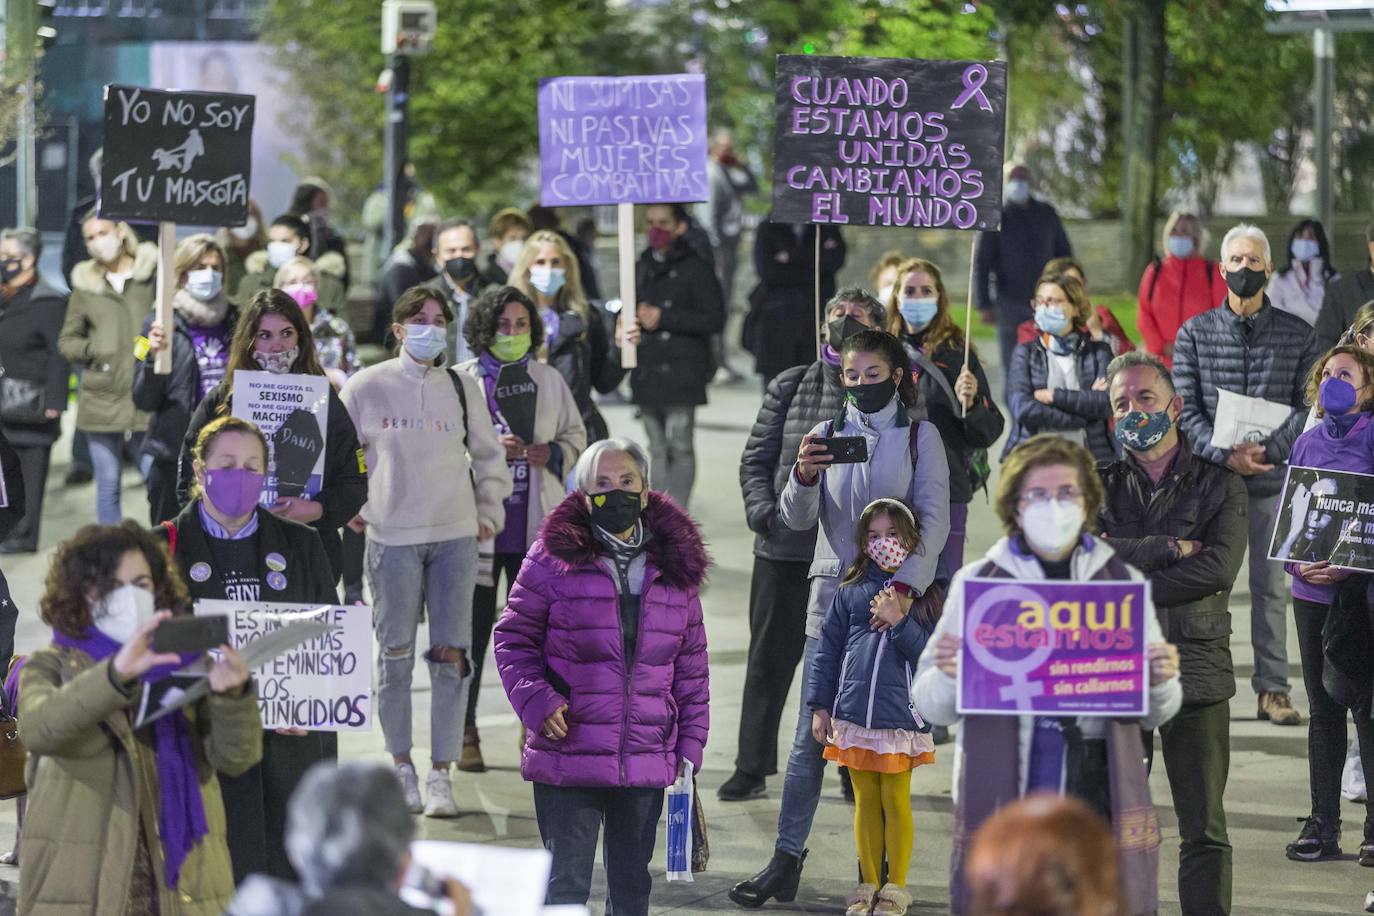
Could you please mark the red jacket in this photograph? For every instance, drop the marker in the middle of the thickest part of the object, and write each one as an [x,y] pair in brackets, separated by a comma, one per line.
[1113,334]
[1185,287]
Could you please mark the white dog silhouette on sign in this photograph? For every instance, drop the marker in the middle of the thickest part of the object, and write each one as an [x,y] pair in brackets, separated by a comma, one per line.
[180,157]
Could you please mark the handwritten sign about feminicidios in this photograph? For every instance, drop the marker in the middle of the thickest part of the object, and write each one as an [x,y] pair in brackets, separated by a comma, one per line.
[1325,517]
[182,157]
[324,684]
[626,139]
[1054,648]
[889,142]
[293,413]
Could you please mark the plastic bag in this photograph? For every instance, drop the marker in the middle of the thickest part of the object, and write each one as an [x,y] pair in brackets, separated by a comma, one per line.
[1352,777]
[679,829]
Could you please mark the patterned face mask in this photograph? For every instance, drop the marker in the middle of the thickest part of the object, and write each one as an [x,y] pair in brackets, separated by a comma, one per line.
[888,552]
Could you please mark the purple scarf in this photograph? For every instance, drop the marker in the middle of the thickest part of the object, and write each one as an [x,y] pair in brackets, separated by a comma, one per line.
[181,815]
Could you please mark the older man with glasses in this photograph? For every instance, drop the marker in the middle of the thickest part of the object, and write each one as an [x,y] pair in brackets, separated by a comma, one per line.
[1252,350]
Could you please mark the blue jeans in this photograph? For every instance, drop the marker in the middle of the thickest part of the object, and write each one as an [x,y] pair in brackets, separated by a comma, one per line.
[801,786]
[440,577]
[107,463]
[672,449]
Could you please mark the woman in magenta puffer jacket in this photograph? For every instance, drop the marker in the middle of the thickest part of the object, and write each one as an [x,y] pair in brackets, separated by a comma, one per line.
[602,652]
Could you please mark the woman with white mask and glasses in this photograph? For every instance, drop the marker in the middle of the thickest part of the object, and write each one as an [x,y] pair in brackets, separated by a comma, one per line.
[124,819]
[576,342]
[203,322]
[438,485]
[272,335]
[1048,492]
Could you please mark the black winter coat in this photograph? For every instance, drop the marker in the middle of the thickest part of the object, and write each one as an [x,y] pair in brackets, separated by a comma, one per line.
[781,327]
[1265,356]
[345,480]
[10,515]
[675,359]
[1083,409]
[935,377]
[583,357]
[794,402]
[1195,501]
[1343,299]
[169,399]
[1008,262]
[30,322]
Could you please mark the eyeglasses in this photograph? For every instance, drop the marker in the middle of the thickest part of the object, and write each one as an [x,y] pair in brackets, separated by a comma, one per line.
[1049,303]
[1040,495]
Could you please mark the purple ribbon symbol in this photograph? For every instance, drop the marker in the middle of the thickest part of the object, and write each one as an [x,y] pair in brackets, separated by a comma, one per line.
[974,78]
[1022,690]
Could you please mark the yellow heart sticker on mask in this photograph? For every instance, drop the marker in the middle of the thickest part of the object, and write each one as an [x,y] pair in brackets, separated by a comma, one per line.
[599,501]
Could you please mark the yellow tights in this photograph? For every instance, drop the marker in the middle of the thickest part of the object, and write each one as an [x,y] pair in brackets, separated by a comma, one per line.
[882,820]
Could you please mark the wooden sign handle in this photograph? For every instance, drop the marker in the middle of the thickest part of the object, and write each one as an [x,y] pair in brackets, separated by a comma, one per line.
[166,289]
[819,319]
[629,313]
[968,312]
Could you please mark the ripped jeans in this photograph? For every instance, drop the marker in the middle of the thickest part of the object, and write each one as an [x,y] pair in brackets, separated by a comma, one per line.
[440,577]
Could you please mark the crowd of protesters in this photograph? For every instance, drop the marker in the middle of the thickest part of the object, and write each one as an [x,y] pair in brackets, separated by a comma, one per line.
[434,503]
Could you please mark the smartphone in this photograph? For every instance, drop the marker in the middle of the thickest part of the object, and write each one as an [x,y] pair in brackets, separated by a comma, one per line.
[191,634]
[846,449]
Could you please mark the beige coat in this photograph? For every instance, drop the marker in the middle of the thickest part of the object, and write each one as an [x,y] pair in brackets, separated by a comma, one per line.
[92,784]
[99,334]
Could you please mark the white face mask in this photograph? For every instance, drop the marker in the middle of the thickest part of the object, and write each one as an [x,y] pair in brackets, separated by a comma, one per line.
[1018,190]
[104,248]
[885,293]
[511,251]
[1052,527]
[278,253]
[204,284]
[122,611]
[245,232]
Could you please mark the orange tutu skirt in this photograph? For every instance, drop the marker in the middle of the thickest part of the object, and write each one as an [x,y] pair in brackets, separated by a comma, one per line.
[879,750]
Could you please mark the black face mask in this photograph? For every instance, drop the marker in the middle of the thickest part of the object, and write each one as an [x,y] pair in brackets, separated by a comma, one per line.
[460,269]
[10,268]
[615,510]
[1246,283]
[837,330]
[872,398]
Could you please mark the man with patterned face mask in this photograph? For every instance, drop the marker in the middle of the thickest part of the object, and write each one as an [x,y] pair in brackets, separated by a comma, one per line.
[1182,521]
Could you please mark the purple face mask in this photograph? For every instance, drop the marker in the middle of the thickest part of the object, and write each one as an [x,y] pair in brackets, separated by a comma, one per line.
[233,491]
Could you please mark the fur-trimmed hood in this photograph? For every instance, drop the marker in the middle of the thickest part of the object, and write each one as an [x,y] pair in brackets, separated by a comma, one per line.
[88,276]
[676,547]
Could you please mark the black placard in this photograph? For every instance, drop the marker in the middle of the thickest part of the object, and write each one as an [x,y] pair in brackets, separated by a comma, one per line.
[1325,516]
[182,157]
[296,446]
[876,141]
[516,394]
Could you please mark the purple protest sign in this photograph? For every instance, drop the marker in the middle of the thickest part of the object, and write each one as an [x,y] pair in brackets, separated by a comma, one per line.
[622,140]
[1054,648]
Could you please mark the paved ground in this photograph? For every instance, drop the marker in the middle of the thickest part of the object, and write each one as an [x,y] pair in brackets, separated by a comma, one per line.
[1267,792]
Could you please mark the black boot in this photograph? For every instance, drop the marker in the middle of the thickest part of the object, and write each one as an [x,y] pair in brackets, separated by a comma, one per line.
[1318,840]
[1367,847]
[776,882]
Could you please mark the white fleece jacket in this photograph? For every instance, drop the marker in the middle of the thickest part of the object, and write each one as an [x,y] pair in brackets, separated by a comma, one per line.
[422,486]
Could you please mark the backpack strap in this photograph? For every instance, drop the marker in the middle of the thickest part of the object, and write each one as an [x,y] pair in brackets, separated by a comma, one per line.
[462,400]
[1156,263]
[171,529]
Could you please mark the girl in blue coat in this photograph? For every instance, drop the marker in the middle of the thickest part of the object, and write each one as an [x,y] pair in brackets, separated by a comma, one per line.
[859,696]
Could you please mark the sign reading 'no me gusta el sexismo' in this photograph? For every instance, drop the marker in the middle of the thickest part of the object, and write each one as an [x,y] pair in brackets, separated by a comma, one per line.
[889,142]
[622,140]
[181,157]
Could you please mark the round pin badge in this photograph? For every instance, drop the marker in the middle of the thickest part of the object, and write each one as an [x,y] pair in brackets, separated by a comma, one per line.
[276,580]
[200,572]
[276,562]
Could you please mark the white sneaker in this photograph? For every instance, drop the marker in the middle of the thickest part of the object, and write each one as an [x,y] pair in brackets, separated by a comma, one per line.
[440,791]
[410,785]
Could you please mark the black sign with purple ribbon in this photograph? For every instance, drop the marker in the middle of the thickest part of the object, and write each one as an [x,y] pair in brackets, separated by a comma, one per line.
[878,141]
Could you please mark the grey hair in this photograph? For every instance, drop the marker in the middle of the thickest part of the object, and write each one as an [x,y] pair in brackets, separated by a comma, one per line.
[348,823]
[877,312]
[1246,231]
[28,240]
[584,474]
[1134,359]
